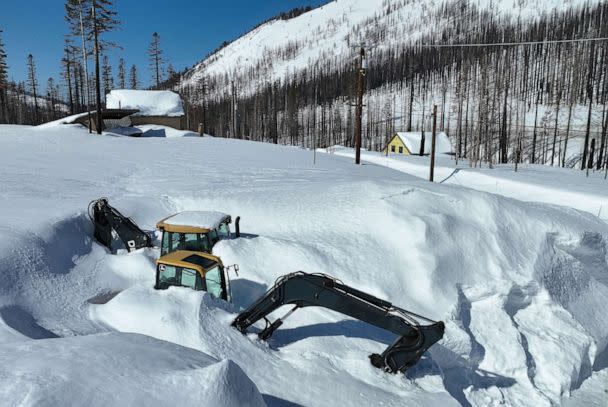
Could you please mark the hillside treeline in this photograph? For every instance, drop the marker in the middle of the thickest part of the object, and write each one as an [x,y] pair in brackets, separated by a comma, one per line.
[525,101]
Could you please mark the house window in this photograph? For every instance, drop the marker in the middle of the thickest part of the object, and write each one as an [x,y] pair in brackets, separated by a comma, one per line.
[392,149]
[400,150]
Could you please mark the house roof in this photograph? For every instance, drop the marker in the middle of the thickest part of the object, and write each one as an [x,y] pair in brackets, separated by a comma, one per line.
[412,141]
[147,102]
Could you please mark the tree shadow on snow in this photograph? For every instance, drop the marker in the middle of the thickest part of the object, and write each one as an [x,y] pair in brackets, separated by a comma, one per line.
[348,328]
[24,323]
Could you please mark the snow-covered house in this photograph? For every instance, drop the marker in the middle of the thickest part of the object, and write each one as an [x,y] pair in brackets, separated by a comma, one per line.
[161,107]
[408,143]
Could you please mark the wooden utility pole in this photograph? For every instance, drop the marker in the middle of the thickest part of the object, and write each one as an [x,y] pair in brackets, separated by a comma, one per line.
[591,154]
[432,175]
[234,110]
[359,106]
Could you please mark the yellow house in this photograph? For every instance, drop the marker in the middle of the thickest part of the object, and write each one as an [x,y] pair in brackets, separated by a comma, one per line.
[397,146]
[408,143]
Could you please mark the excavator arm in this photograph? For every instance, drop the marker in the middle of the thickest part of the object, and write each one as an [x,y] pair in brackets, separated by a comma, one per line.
[106,219]
[304,290]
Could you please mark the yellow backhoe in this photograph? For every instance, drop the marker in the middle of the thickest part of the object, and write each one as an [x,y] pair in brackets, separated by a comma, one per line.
[185,261]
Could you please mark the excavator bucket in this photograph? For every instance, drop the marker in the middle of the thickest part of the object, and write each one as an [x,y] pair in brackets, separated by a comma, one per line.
[106,219]
[304,290]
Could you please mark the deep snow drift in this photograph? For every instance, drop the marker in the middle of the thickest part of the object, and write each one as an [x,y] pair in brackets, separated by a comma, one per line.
[118,369]
[520,285]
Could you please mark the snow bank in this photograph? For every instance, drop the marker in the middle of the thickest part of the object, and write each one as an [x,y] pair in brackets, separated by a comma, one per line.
[64,120]
[531,183]
[156,130]
[520,285]
[119,369]
[148,102]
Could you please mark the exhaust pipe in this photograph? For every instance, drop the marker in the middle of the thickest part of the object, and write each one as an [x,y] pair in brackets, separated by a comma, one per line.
[237,226]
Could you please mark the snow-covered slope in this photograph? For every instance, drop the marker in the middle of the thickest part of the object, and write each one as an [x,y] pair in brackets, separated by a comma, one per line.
[329,33]
[520,285]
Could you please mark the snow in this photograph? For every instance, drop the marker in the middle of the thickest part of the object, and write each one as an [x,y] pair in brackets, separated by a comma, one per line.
[65,120]
[412,141]
[148,102]
[118,369]
[150,130]
[329,34]
[199,219]
[520,283]
[531,183]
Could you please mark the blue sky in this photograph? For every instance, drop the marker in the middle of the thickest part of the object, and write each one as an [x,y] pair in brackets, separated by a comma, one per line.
[189,29]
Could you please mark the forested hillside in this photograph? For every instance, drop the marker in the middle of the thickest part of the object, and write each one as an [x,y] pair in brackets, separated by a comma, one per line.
[536,97]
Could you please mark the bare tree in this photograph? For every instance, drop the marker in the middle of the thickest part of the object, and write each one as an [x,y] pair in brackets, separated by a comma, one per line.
[3,83]
[156,59]
[33,83]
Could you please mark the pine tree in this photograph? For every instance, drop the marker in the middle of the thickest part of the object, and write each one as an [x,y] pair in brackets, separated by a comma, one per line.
[33,83]
[122,75]
[108,81]
[156,59]
[133,82]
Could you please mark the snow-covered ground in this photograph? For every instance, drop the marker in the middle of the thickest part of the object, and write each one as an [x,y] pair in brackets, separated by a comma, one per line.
[118,369]
[533,183]
[520,285]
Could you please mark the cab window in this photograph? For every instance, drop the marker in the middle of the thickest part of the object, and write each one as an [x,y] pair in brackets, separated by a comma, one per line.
[167,274]
[213,236]
[164,246]
[170,243]
[173,241]
[189,278]
[213,278]
[224,231]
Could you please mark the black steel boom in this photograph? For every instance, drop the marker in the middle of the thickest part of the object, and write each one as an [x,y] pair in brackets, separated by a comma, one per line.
[304,290]
[106,218]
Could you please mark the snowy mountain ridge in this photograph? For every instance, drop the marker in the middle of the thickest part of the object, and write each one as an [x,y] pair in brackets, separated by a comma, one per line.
[332,32]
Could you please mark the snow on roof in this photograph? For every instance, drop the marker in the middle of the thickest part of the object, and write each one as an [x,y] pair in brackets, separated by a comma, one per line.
[198,219]
[413,139]
[148,102]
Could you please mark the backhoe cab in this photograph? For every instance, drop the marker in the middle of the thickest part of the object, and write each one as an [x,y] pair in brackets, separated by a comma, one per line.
[193,269]
[195,231]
